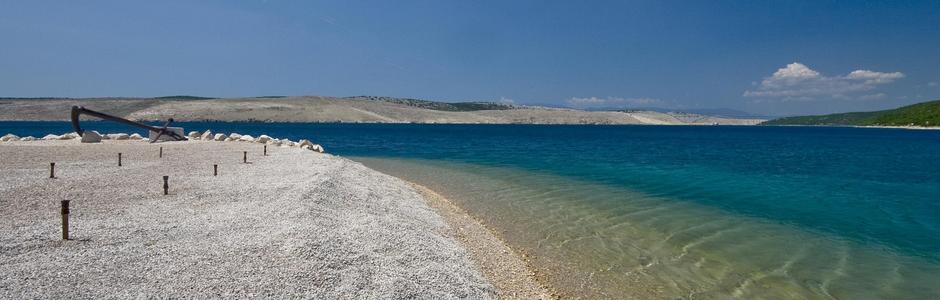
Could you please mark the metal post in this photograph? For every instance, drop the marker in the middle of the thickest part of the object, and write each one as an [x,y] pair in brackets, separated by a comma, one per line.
[265,150]
[161,152]
[245,157]
[65,219]
[51,170]
[166,186]
[215,170]
[119,159]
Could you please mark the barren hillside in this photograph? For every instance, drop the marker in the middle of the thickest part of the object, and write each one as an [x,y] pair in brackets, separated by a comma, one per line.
[332,109]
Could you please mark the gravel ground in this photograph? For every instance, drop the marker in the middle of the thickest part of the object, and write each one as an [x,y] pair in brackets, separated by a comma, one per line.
[294,224]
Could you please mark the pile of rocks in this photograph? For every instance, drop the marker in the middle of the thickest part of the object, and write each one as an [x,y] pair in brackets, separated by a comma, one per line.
[208,135]
[93,137]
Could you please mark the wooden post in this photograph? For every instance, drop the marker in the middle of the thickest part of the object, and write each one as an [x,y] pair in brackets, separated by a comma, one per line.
[119,159]
[215,170]
[245,157]
[265,150]
[51,170]
[161,152]
[65,219]
[166,185]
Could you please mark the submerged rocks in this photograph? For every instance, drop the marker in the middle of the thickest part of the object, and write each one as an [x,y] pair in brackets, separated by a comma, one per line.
[91,136]
[9,138]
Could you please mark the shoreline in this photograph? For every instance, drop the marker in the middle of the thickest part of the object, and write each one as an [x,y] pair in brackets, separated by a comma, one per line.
[509,271]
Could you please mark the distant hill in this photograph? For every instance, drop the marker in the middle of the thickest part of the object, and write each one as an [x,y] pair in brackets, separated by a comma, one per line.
[926,114]
[434,105]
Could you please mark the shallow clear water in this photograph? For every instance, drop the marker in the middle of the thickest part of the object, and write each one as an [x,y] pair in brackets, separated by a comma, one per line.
[669,212]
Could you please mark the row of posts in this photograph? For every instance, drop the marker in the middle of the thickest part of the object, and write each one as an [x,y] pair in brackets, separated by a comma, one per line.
[166,186]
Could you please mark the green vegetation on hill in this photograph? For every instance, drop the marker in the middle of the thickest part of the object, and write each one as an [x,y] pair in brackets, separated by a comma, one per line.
[442,106]
[182,97]
[925,114]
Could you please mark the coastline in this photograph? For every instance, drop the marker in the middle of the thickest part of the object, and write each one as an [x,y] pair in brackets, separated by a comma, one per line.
[503,266]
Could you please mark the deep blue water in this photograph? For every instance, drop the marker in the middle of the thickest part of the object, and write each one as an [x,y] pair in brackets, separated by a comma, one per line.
[878,186]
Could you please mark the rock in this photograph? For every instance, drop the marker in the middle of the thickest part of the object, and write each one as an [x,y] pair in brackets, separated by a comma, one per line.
[118,136]
[246,138]
[263,139]
[105,137]
[146,139]
[235,136]
[135,137]
[9,138]
[229,139]
[69,136]
[303,143]
[50,137]
[220,137]
[318,148]
[306,147]
[91,136]
[274,142]
[28,138]
[206,136]
[286,142]
[193,135]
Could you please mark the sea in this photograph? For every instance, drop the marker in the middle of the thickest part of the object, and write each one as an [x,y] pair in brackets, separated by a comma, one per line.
[669,212]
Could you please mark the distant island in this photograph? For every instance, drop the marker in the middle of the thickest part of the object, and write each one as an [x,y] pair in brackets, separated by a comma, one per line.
[926,114]
[356,109]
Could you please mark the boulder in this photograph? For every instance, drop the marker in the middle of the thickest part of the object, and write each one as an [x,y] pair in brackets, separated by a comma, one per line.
[219,137]
[274,142]
[91,136]
[246,138]
[229,139]
[235,136]
[50,137]
[136,137]
[263,139]
[28,138]
[306,147]
[9,138]
[105,137]
[206,136]
[318,148]
[69,136]
[303,143]
[193,135]
[118,136]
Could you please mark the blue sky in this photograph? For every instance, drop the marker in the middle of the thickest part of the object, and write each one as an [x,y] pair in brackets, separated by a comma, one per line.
[766,57]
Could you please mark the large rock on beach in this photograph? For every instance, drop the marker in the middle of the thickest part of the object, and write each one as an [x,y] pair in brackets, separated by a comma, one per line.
[207,135]
[9,138]
[118,136]
[50,137]
[263,139]
[193,135]
[91,136]
[246,138]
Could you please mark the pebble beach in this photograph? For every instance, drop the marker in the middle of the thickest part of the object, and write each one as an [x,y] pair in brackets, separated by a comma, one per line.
[293,223]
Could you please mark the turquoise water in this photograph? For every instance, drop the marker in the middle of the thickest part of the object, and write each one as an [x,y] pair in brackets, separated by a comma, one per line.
[674,211]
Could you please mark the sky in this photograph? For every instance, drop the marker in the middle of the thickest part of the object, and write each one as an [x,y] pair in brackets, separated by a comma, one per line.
[764,57]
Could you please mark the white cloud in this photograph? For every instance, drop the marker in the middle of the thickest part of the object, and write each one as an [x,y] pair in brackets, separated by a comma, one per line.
[796,81]
[595,102]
